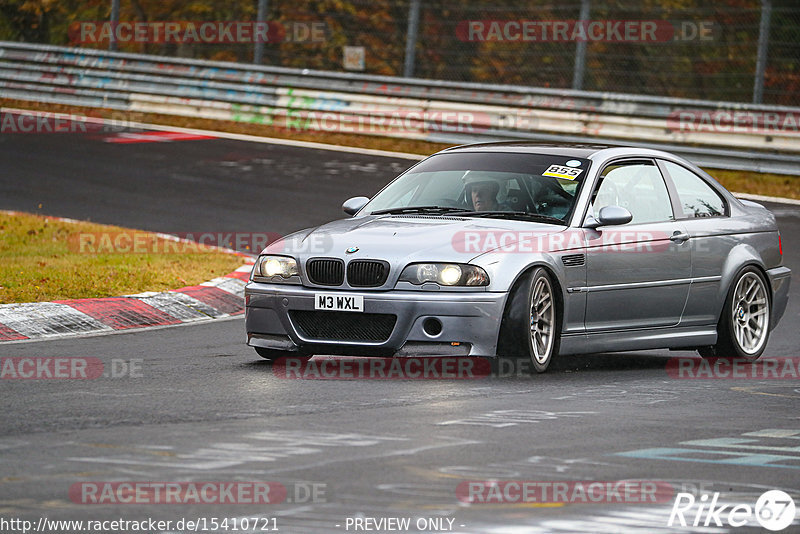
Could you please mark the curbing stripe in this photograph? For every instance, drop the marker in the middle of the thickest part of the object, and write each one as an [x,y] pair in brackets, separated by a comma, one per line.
[154,137]
[48,319]
[7,334]
[121,313]
[216,297]
[231,285]
[243,276]
[181,306]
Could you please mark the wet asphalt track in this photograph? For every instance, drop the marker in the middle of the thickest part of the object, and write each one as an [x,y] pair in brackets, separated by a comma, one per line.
[206,408]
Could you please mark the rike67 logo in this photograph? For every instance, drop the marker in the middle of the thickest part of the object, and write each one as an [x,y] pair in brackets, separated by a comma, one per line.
[774,510]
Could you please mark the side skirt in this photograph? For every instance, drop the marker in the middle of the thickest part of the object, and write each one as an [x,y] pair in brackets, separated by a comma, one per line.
[672,337]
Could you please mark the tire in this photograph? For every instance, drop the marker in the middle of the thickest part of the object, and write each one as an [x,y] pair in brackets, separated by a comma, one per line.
[274,354]
[531,328]
[743,328]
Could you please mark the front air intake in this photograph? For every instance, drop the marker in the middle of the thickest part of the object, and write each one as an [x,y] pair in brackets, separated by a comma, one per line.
[343,326]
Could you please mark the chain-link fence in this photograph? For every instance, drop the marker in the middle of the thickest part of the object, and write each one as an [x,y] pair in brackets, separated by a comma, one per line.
[732,50]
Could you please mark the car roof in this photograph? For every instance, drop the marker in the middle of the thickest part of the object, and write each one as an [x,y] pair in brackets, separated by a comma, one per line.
[577,150]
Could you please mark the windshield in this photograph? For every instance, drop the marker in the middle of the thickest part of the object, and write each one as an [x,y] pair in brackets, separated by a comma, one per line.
[486,184]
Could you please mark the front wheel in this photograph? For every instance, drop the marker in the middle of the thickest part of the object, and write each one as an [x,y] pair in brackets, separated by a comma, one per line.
[744,325]
[531,327]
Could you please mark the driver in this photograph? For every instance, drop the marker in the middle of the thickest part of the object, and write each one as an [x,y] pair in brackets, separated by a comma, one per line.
[482,190]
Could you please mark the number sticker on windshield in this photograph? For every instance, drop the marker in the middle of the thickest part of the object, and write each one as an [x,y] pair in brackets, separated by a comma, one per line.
[559,171]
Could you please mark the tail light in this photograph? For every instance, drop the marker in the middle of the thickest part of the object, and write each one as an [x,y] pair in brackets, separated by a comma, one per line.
[780,245]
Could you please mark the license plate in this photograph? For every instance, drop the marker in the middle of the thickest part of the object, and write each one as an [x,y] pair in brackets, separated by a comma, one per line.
[338,302]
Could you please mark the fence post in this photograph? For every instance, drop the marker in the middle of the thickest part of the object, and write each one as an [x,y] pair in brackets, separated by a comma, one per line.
[113,20]
[580,50]
[763,44]
[411,38]
[261,16]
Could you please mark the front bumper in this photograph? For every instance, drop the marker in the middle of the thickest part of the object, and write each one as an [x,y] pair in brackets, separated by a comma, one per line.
[779,280]
[470,321]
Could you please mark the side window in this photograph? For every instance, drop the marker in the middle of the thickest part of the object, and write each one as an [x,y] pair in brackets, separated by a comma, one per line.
[636,186]
[697,198]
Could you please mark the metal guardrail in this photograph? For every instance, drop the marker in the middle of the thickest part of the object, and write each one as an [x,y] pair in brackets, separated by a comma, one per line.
[431,110]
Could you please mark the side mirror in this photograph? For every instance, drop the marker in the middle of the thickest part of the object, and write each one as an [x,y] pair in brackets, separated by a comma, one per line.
[352,205]
[609,216]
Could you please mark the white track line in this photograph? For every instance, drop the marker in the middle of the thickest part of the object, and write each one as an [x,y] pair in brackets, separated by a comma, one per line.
[748,196]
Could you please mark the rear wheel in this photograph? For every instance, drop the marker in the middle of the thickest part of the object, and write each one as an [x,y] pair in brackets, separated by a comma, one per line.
[531,327]
[744,325]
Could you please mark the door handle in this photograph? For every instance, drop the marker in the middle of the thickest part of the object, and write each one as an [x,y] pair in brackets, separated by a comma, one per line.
[679,237]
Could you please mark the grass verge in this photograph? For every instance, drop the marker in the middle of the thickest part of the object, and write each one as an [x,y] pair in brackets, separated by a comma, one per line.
[777,185]
[42,259]
[772,185]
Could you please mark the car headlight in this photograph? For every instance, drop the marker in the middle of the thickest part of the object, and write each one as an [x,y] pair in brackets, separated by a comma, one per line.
[275,268]
[446,274]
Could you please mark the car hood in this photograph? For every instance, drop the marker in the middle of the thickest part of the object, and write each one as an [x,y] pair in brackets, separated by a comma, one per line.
[407,238]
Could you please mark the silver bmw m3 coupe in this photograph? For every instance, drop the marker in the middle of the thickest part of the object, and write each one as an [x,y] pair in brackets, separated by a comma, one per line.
[531,251]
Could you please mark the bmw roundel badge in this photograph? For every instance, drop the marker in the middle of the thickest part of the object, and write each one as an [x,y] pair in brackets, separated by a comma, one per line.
[351,250]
